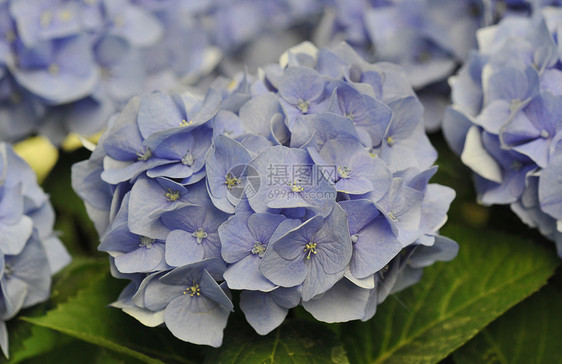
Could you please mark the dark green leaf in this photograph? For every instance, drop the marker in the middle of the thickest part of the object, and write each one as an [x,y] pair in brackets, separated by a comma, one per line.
[77,351]
[530,332]
[453,301]
[294,342]
[76,229]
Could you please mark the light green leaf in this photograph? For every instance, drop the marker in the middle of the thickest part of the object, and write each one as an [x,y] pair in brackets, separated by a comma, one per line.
[26,340]
[453,301]
[295,341]
[530,332]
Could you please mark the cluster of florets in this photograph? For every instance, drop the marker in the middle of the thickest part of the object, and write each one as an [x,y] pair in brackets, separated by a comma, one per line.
[65,66]
[499,9]
[506,118]
[233,23]
[30,253]
[306,184]
[429,38]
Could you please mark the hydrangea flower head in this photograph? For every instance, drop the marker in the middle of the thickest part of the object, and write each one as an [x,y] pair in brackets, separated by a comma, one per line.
[66,66]
[505,121]
[308,193]
[30,252]
[427,36]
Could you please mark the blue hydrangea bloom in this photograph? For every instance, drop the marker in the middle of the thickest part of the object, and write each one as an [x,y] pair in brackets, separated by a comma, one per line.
[429,38]
[66,66]
[294,193]
[505,121]
[69,65]
[30,252]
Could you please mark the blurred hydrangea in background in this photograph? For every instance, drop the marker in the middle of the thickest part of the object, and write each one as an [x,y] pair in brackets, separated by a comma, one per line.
[65,67]
[306,183]
[506,118]
[30,251]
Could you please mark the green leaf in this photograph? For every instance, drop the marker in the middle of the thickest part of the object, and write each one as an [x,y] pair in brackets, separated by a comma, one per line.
[26,340]
[528,333]
[295,341]
[77,351]
[76,229]
[78,274]
[87,317]
[453,301]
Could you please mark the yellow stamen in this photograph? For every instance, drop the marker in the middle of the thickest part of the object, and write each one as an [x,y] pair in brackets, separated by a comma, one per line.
[53,69]
[231,181]
[311,248]
[193,290]
[172,196]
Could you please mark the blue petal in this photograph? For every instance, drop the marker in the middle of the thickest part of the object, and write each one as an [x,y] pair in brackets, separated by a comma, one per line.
[182,248]
[343,302]
[261,311]
[245,275]
[196,320]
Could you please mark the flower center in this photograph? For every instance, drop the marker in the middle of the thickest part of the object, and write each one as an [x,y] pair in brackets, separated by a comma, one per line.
[515,166]
[146,242]
[424,56]
[354,238]
[303,105]
[119,21]
[389,140]
[45,18]
[350,116]
[188,159]
[200,234]
[15,98]
[296,187]
[10,36]
[172,196]
[144,154]
[186,123]
[193,290]
[53,69]
[544,134]
[8,270]
[514,105]
[392,215]
[231,181]
[311,249]
[105,73]
[259,249]
[344,172]
[66,15]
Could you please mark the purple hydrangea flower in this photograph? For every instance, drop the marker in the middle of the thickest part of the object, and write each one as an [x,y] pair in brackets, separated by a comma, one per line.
[505,121]
[72,64]
[30,252]
[311,194]
[429,38]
